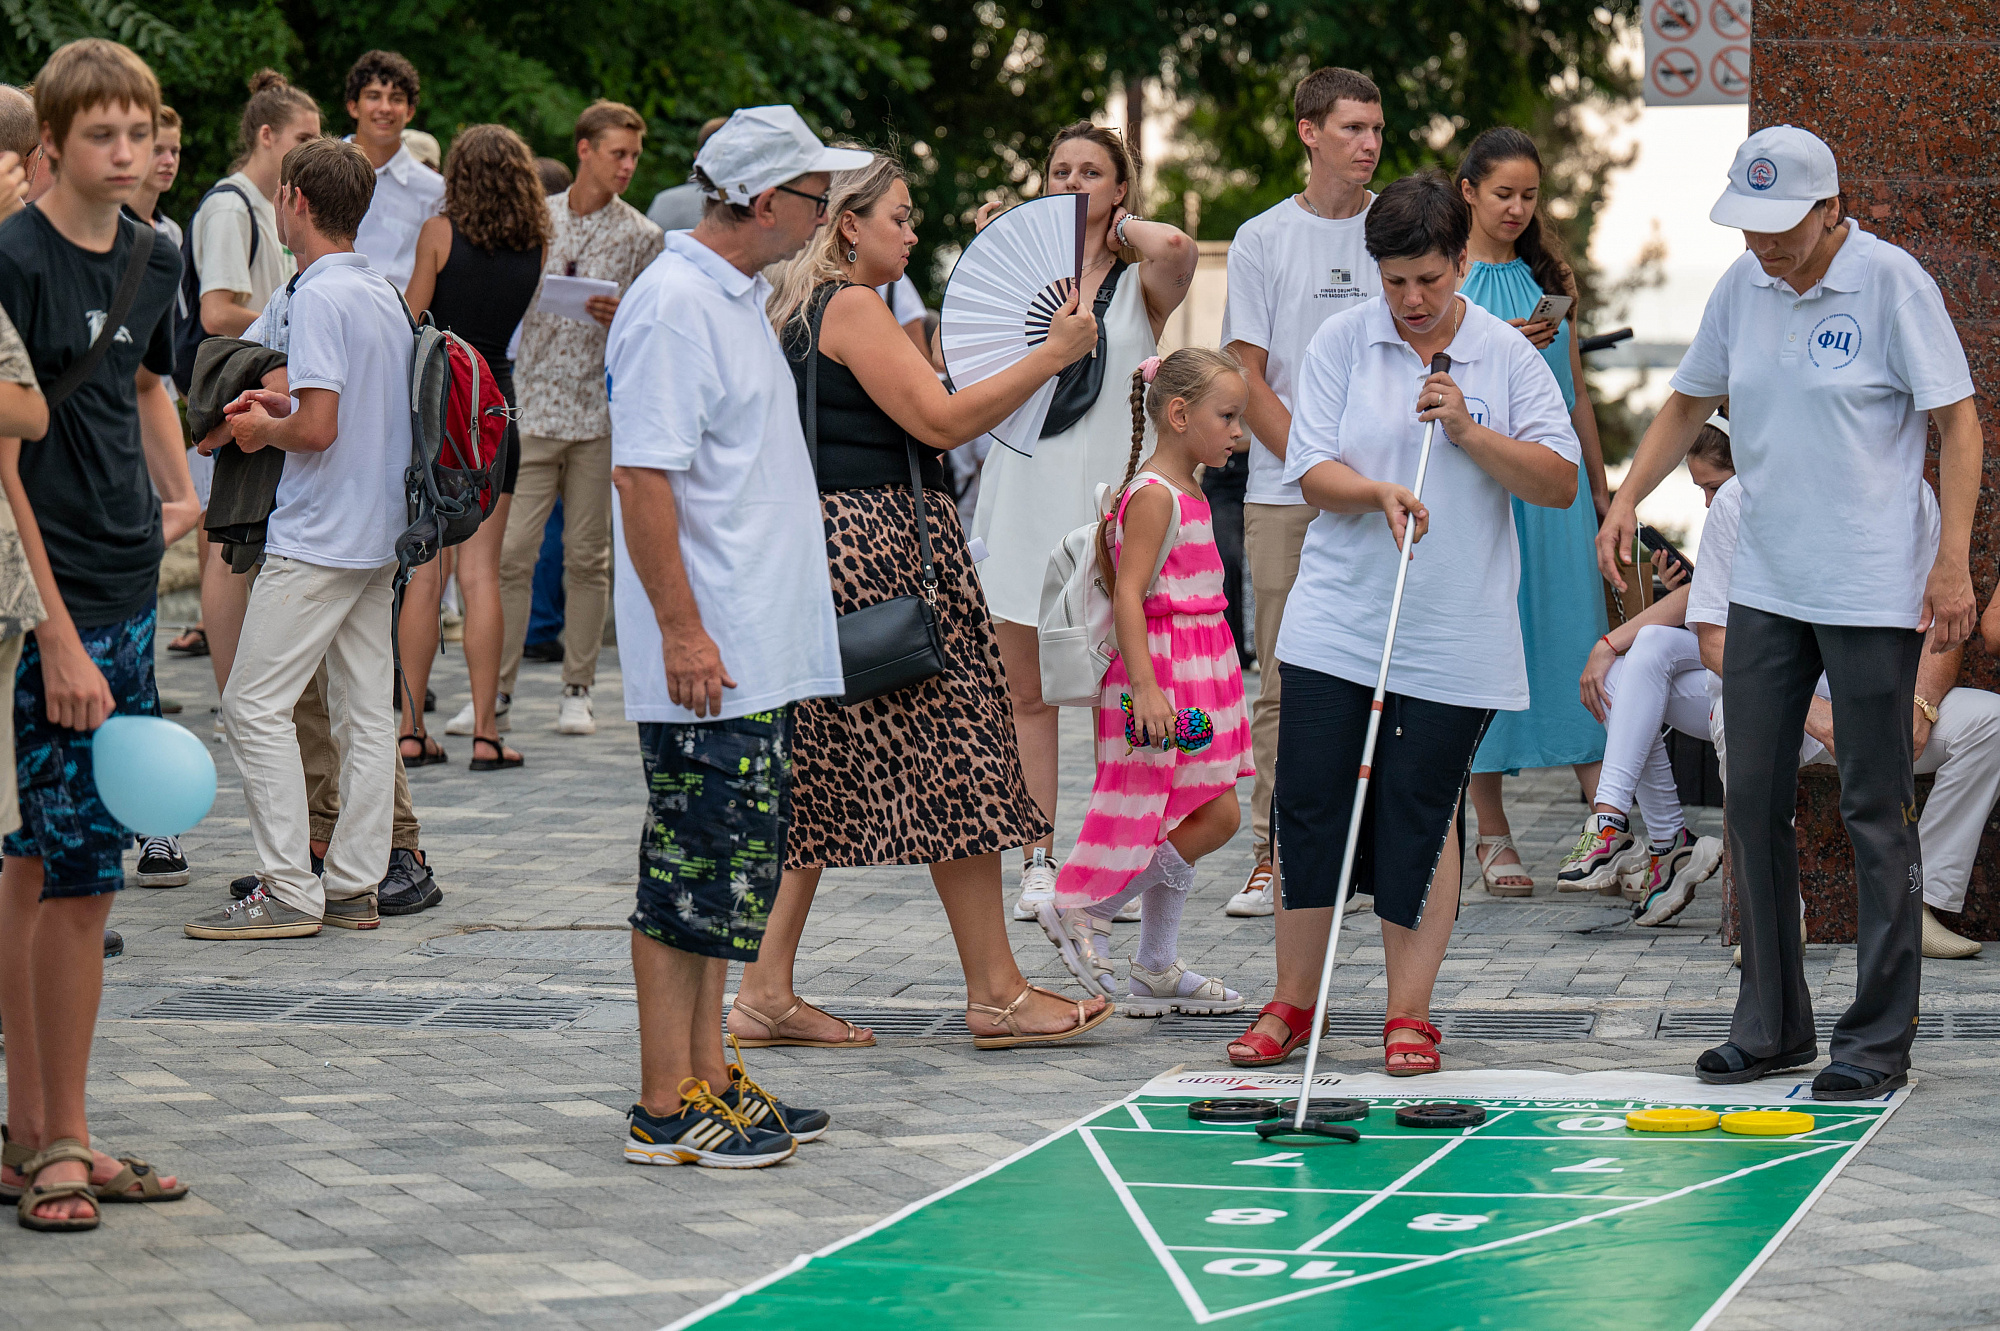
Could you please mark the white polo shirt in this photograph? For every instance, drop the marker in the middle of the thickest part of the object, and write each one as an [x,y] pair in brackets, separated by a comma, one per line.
[1288,272]
[1827,394]
[700,389]
[343,329]
[407,194]
[1459,638]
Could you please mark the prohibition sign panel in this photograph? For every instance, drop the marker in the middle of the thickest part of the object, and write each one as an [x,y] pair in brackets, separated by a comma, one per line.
[1730,20]
[1675,72]
[1537,1217]
[1729,71]
[1674,20]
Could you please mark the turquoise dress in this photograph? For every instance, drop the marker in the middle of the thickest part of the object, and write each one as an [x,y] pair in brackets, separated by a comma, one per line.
[1562,593]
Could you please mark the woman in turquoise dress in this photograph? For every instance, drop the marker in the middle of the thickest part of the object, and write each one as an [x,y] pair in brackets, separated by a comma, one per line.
[1515,261]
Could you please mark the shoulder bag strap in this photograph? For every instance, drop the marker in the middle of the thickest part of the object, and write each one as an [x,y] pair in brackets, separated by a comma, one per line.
[815,311]
[927,567]
[121,306]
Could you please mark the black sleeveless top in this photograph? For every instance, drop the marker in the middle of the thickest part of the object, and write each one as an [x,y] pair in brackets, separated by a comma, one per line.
[482,294]
[860,446]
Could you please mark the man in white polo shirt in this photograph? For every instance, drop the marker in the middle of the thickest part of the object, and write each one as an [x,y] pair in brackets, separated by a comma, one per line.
[382,97]
[725,619]
[1290,267]
[1832,346]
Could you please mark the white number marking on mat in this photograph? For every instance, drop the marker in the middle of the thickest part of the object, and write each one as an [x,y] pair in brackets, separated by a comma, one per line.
[1319,1271]
[1439,1222]
[1595,1123]
[1282,1160]
[1245,1215]
[1244,1266]
[1603,1164]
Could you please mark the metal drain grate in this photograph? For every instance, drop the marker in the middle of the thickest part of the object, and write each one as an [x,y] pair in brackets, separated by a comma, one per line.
[1972,1026]
[1367,1026]
[904,1023]
[1713,1024]
[1493,918]
[221,1003]
[535,945]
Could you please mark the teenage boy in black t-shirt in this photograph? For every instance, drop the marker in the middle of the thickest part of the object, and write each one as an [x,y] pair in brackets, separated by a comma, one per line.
[94,530]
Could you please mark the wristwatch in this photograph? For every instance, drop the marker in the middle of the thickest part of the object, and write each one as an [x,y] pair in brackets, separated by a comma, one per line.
[1927,707]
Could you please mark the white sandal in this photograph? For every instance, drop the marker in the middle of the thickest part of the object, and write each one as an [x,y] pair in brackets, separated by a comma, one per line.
[1163,993]
[1075,933]
[1486,871]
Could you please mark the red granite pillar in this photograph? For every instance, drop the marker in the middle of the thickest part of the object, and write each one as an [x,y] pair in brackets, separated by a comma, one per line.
[1905,93]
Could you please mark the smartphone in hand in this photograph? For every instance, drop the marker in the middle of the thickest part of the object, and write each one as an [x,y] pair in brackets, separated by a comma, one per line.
[1652,540]
[1549,309]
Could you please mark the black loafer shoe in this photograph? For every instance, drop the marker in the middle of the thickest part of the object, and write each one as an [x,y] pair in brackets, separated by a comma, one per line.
[408,887]
[1844,1081]
[1728,1065]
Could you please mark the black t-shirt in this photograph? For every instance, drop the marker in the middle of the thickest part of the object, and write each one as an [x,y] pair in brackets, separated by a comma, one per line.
[86,478]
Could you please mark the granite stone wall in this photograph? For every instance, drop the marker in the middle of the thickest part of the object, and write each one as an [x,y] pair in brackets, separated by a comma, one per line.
[1906,92]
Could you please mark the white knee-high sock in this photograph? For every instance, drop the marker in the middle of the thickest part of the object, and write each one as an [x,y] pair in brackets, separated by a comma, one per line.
[1153,872]
[1160,921]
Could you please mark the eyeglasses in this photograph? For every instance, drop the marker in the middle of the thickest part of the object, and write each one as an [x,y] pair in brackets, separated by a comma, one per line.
[820,201]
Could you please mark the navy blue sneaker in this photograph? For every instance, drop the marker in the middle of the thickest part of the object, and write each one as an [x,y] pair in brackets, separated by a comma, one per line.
[707,1131]
[758,1107]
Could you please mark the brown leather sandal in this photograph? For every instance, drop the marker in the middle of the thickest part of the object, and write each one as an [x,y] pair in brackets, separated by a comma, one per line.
[137,1173]
[774,1030]
[1016,1036]
[60,1151]
[14,1156]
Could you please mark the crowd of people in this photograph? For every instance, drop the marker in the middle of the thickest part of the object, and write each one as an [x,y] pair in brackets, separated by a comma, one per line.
[757,463]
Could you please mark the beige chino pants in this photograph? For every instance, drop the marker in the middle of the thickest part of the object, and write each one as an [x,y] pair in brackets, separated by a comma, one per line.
[1273,534]
[580,471]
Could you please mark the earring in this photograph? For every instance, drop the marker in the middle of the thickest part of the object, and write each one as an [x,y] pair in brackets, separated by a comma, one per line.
[852,257]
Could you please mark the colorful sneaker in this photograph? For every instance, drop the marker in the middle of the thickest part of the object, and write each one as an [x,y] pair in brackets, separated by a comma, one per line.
[1038,884]
[758,1107]
[161,863]
[1672,877]
[1175,989]
[706,1132]
[1601,854]
[1255,898]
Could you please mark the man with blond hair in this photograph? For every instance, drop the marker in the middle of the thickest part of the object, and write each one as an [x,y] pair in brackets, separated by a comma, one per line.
[97,499]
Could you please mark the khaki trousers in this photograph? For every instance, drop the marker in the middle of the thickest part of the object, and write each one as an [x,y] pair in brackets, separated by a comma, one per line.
[1272,537]
[304,618]
[580,471]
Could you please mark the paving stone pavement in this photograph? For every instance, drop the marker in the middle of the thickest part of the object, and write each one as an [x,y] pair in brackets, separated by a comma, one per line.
[408,1151]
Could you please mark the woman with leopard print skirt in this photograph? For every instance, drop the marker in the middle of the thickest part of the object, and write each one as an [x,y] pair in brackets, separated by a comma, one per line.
[930,774]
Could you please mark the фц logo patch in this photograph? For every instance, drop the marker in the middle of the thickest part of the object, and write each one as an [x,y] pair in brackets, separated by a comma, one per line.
[1835,341]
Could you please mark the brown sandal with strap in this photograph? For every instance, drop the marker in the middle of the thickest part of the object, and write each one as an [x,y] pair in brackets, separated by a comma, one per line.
[775,1030]
[61,1151]
[14,1156]
[137,1173]
[1016,1036]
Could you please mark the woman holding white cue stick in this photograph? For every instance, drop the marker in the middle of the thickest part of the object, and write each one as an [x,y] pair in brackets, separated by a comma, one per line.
[1365,396]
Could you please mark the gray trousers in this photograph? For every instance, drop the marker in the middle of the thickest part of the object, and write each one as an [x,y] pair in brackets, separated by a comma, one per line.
[1770,666]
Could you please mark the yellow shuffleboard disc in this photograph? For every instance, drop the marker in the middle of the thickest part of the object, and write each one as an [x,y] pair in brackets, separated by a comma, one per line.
[1671,1120]
[1767,1122]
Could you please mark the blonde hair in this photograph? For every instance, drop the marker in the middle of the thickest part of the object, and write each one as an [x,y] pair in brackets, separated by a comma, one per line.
[274,102]
[1188,374]
[88,73]
[857,192]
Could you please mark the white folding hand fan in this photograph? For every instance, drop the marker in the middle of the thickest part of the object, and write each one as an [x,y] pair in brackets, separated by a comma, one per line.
[1005,288]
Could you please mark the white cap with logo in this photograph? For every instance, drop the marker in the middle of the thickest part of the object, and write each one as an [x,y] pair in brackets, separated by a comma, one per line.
[762,146]
[1778,175]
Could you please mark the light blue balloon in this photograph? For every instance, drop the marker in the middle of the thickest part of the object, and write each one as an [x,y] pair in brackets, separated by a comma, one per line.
[155,776]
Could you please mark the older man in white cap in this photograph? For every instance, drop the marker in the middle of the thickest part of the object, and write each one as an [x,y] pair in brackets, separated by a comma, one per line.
[1831,345]
[725,618]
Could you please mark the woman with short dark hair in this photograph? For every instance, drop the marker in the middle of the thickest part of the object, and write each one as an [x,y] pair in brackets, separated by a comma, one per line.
[1364,396]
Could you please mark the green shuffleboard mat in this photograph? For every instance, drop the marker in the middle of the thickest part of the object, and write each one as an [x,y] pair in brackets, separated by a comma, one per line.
[1552,1213]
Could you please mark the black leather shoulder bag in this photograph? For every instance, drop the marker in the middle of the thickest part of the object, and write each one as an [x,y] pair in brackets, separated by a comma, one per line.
[892,644]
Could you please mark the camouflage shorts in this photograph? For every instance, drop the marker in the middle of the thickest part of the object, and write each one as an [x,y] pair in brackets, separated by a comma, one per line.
[717,805]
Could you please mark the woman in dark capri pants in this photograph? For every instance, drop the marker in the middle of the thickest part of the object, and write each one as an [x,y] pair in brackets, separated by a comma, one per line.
[1365,393]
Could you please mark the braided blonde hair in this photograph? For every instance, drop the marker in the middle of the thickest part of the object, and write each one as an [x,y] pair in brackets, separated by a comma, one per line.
[1187,374]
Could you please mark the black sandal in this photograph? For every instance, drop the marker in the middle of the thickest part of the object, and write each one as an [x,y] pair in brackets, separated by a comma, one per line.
[192,643]
[433,752]
[1729,1064]
[493,764]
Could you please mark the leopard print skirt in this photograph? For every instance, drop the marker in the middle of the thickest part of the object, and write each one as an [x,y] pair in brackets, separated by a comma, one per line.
[929,773]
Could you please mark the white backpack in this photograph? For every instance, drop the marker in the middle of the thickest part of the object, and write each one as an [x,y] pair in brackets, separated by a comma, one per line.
[1078,636]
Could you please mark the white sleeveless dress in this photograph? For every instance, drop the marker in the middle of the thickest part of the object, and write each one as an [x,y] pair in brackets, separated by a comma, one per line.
[1028,504]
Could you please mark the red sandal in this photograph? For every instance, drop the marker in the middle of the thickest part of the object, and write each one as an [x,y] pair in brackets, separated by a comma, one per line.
[1423,1051]
[1298,1029]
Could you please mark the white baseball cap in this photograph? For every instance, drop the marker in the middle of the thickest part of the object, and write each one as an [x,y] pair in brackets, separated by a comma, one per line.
[762,146]
[1778,175]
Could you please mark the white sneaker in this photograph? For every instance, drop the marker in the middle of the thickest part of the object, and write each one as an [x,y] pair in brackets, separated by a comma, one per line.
[1255,898]
[1038,885]
[462,723]
[574,718]
[1175,989]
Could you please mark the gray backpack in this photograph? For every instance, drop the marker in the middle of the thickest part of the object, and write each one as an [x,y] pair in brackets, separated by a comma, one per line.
[1077,634]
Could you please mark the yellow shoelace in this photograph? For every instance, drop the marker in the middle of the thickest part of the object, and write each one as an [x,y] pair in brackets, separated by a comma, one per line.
[746,1087]
[703,1099]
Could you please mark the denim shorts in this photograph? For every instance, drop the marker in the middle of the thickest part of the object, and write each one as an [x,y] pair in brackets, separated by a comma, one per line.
[63,822]
[718,802]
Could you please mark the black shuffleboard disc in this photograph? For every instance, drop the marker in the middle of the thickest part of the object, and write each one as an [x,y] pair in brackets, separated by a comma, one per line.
[1315,1127]
[1231,1111]
[1441,1115]
[1327,1111]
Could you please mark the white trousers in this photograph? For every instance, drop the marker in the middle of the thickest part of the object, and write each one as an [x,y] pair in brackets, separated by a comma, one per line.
[1658,682]
[1963,753]
[299,614]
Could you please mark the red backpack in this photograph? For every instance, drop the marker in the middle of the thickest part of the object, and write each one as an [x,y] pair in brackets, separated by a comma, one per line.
[458,425]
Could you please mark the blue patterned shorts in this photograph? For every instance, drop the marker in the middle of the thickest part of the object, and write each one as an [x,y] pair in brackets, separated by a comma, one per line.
[718,802]
[63,822]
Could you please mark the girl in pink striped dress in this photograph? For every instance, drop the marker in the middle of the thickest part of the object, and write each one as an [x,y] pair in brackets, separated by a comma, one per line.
[1173,734]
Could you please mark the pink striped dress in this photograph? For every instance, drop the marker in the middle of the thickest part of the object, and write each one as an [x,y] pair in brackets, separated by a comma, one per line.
[1143,794]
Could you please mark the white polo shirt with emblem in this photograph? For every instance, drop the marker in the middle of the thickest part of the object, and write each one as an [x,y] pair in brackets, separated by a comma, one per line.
[407,195]
[700,389]
[1459,638]
[1828,391]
